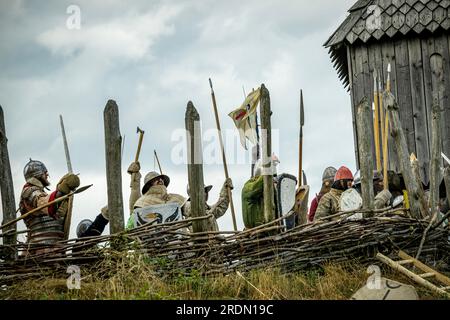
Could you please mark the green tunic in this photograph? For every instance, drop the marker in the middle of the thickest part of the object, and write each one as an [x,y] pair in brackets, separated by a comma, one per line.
[253,202]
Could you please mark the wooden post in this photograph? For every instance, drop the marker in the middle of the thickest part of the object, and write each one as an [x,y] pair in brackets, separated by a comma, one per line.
[6,186]
[269,208]
[435,165]
[195,167]
[416,170]
[363,117]
[113,142]
[447,183]
[403,155]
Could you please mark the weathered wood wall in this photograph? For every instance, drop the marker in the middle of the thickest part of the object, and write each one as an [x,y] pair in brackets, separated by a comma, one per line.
[415,82]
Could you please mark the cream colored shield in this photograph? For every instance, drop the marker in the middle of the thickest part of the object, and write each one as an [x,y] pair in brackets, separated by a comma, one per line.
[351,200]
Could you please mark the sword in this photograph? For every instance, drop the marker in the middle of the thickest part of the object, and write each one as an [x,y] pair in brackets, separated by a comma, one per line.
[68,217]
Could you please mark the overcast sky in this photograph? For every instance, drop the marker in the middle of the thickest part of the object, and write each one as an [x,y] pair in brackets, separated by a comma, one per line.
[152,57]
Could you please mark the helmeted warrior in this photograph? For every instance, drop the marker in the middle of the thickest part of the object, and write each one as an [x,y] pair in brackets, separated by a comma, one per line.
[382,197]
[45,226]
[154,191]
[253,194]
[217,210]
[329,204]
[327,181]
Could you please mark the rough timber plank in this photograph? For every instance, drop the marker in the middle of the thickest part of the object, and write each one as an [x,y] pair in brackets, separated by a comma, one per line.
[427,50]
[362,81]
[419,107]
[404,92]
[351,62]
[388,56]
[441,46]
[376,63]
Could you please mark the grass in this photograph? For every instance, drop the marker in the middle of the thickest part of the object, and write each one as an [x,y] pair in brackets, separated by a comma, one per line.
[134,278]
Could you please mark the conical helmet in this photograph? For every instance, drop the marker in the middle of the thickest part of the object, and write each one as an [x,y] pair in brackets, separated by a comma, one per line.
[329,173]
[34,168]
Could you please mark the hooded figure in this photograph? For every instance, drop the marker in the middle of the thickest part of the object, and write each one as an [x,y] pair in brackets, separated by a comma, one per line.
[154,191]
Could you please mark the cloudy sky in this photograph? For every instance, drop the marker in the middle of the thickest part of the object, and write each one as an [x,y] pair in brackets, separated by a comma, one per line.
[152,57]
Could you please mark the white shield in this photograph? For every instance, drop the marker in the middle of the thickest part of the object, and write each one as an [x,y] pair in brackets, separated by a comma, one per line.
[351,200]
[286,192]
[160,213]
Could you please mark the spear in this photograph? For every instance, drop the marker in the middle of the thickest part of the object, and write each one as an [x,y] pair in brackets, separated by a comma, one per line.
[385,136]
[376,127]
[223,153]
[68,217]
[57,200]
[300,142]
[157,160]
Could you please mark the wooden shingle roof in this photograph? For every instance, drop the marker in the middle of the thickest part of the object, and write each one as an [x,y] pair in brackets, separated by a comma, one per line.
[396,18]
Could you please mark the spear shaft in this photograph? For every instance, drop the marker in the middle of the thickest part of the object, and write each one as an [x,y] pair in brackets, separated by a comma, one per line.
[223,153]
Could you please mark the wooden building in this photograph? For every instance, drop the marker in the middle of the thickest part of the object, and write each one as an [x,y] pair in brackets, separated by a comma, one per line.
[414,36]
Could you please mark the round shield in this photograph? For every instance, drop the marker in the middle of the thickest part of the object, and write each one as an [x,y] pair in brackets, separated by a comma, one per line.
[350,200]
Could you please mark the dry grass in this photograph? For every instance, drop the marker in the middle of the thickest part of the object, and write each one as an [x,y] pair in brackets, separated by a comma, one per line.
[132,277]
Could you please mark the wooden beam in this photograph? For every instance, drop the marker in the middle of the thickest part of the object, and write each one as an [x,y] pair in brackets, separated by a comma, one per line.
[363,117]
[394,265]
[415,166]
[445,280]
[420,116]
[435,167]
[195,167]
[113,143]
[401,148]
[266,139]
[6,187]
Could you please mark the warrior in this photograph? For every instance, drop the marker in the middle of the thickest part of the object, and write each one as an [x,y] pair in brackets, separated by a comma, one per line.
[327,181]
[154,191]
[329,204]
[217,210]
[253,195]
[45,226]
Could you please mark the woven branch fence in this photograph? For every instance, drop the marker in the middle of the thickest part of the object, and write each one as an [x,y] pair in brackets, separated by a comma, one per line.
[173,250]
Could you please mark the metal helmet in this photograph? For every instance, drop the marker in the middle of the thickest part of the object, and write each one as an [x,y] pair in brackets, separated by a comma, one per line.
[34,168]
[343,173]
[377,175]
[83,226]
[151,176]
[207,189]
[329,173]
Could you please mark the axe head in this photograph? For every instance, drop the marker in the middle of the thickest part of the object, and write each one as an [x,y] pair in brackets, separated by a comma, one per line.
[138,130]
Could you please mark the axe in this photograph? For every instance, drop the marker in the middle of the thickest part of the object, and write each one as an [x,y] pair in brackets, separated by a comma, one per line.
[141,137]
